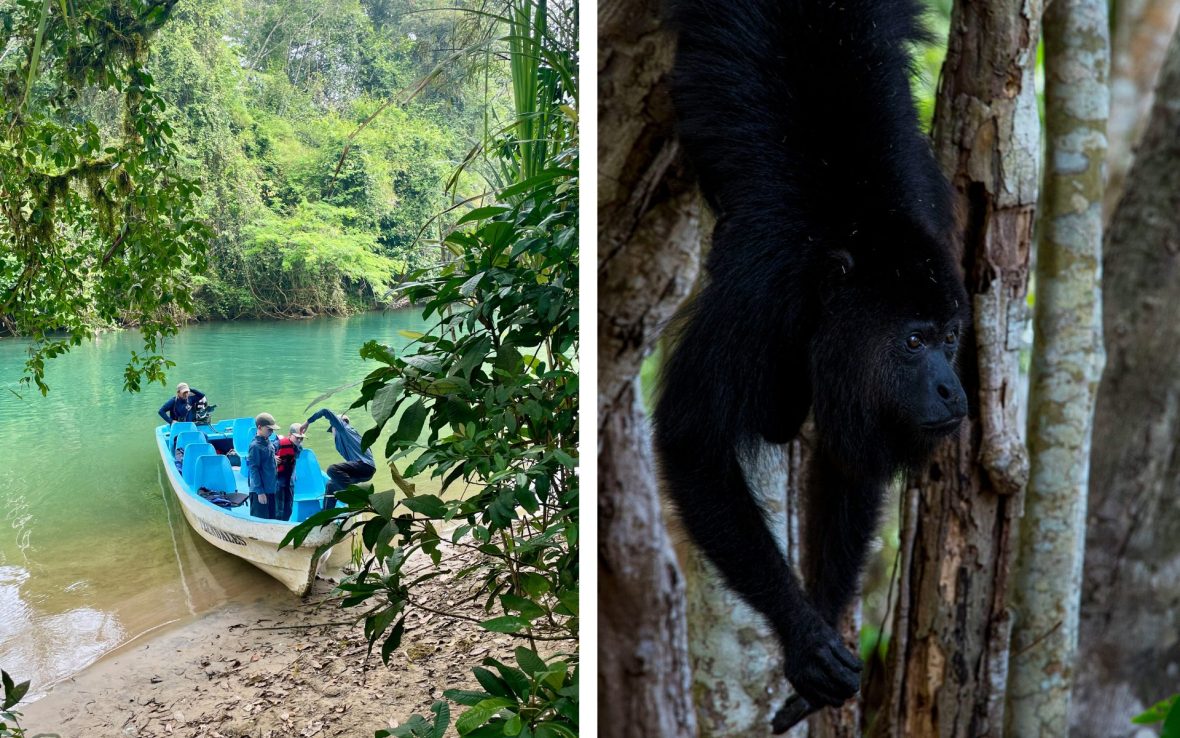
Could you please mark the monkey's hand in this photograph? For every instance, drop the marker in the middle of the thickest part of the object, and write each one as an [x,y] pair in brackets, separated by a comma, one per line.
[820,668]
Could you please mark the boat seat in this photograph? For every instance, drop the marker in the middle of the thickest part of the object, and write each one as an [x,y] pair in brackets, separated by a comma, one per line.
[243,433]
[192,452]
[214,473]
[309,486]
[223,426]
[176,429]
[184,439]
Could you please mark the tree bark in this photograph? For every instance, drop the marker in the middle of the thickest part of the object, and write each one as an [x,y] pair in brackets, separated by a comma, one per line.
[949,653]
[737,664]
[1142,29]
[1067,363]
[648,248]
[1129,653]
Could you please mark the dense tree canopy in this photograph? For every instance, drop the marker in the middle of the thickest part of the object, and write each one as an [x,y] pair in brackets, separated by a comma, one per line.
[165,160]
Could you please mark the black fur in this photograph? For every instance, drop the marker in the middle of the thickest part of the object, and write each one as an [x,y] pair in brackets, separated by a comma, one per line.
[833,246]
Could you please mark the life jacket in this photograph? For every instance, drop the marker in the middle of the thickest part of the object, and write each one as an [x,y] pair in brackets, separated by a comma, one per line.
[285,457]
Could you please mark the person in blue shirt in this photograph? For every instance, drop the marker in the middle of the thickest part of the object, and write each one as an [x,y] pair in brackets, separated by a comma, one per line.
[261,462]
[358,465]
[180,408]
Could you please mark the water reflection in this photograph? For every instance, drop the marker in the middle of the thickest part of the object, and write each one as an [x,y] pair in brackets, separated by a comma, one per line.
[58,643]
[93,549]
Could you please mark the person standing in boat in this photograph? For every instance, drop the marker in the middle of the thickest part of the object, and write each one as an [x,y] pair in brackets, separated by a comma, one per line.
[358,465]
[261,461]
[286,451]
[180,407]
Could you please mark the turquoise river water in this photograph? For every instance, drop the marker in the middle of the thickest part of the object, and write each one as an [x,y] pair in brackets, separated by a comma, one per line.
[93,550]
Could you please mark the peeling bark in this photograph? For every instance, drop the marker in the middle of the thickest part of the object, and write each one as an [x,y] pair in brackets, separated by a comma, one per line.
[948,660]
[1067,363]
[648,245]
[1129,651]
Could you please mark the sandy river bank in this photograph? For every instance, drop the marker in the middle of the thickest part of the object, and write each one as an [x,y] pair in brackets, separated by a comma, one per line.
[265,669]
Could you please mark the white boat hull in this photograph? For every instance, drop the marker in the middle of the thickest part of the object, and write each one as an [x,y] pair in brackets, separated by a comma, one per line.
[252,539]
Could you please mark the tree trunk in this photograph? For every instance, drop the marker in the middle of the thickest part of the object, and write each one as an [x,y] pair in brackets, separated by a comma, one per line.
[1067,363]
[1130,631]
[648,247]
[737,664]
[949,653]
[1141,32]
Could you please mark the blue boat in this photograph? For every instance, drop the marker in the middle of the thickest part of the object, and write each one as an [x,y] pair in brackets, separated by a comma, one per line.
[213,493]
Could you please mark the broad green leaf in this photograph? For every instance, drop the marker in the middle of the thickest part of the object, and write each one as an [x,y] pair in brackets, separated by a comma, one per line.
[1156,712]
[428,505]
[481,713]
[410,425]
[529,661]
[481,213]
[505,624]
[383,503]
[385,402]
[1171,727]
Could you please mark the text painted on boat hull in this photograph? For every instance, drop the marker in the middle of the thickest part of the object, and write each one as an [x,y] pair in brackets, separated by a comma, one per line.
[223,535]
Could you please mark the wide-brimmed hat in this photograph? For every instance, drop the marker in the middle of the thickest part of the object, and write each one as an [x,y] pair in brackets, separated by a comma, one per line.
[294,432]
[265,420]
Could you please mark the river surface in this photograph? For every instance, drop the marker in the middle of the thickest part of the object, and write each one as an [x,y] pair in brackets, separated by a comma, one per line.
[94,551]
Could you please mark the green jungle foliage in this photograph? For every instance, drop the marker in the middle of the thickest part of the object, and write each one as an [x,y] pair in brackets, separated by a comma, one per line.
[96,217]
[1165,711]
[321,166]
[13,693]
[495,385]
[168,160]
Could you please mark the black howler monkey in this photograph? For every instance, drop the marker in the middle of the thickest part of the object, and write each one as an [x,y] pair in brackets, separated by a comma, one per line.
[832,288]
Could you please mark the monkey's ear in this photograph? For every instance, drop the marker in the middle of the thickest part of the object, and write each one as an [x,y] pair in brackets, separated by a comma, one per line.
[837,268]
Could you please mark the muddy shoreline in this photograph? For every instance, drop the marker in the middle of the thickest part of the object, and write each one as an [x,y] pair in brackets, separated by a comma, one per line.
[264,669]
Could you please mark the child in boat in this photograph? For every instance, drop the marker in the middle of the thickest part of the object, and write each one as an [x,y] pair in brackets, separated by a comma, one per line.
[261,462]
[286,452]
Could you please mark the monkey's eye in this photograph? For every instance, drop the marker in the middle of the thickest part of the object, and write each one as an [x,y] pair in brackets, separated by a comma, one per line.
[950,337]
[914,342]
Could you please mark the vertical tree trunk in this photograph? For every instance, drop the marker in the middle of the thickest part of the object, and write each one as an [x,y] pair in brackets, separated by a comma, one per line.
[737,665]
[1142,29]
[1129,653]
[648,244]
[949,653]
[1067,363]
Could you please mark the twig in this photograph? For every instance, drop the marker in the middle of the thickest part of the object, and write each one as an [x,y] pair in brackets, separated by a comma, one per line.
[304,627]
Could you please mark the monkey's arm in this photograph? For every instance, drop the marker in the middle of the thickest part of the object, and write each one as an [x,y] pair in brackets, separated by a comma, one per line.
[840,519]
[724,519]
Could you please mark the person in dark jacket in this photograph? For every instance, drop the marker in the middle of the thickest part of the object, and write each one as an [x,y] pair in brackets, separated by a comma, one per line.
[261,461]
[286,451]
[358,465]
[180,408]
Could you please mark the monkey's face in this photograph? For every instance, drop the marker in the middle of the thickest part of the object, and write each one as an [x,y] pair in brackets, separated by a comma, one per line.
[930,398]
[886,388]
